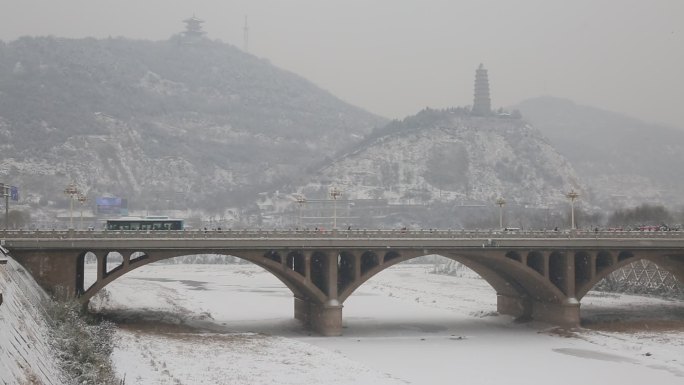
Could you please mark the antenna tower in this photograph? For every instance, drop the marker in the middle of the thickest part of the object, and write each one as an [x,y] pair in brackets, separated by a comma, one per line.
[245,33]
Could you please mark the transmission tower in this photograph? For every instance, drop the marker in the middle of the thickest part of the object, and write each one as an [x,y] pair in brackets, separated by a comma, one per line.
[245,33]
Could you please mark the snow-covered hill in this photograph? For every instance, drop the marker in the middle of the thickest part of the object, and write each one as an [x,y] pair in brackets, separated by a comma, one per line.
[449,156]
[165,124]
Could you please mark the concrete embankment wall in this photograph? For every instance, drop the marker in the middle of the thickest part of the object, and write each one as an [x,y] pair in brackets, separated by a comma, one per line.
[25,355]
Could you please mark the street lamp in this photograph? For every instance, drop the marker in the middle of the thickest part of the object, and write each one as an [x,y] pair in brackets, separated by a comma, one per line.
[334,193]
[300,200]
[572,195]
[71,191]
[501,202]
[82,199]
[6,194]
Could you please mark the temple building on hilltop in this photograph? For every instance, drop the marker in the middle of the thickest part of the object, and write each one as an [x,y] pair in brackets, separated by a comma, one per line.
[482,104]
[193,28]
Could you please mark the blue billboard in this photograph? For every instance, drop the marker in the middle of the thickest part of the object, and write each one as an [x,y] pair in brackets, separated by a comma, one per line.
[111,205]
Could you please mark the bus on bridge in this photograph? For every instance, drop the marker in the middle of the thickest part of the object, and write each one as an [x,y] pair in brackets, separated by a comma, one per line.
[146,223]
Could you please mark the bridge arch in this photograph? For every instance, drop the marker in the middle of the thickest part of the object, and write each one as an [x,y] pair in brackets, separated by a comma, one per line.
[291,277]
[607,263]
[517,280]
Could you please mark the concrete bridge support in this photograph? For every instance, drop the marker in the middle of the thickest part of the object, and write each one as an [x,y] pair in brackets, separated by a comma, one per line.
[325,319]
[566,314]
[57,273]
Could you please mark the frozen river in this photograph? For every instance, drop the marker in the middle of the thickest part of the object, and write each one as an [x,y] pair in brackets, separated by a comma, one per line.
[233,324]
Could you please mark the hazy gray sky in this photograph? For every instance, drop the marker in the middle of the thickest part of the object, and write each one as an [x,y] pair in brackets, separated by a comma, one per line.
[394,57]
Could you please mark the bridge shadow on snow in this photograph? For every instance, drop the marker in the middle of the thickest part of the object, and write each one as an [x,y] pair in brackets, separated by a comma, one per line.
[169,322]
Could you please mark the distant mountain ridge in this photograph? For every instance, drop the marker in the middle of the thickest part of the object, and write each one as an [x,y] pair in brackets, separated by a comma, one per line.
[163,123]
[623,160]
[172,125]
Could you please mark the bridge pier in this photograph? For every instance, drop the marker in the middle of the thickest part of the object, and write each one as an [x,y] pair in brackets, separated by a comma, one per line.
[566,314]
[325,319]
[57,274]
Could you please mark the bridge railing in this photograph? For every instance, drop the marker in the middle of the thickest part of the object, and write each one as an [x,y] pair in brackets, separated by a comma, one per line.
[353,233]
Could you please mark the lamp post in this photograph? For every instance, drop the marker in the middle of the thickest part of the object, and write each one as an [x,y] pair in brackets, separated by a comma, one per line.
[334,193]
[71,191]
[82,199]
[501,202]
[572,195]
[5,193]
[300,200]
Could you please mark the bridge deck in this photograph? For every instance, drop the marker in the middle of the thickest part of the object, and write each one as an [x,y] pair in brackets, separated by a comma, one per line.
[263,239]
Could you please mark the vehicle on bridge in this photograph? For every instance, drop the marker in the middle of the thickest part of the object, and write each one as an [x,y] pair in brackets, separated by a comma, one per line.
[144,223]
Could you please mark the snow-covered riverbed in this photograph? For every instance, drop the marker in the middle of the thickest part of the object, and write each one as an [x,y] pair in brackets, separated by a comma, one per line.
[405,326]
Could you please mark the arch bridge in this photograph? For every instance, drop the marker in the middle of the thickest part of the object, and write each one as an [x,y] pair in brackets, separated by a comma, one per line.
[536,275]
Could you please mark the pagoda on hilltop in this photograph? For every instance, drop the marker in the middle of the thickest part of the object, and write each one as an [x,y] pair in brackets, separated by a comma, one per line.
[482,104]
[193,28]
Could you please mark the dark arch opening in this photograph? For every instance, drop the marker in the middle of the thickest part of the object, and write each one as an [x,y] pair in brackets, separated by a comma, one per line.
[582,267]
[345,270]
[319,268]
[295,261]
[273,255]
[556,271]
[625,255]
[514,256]
[369,260]
[80,274]
[390,255]
[535,260]
[603,260]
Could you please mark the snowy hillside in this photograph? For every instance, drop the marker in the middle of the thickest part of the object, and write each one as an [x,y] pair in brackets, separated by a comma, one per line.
[166,124]
[448,156]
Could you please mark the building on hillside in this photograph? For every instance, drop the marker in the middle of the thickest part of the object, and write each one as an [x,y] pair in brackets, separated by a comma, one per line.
[193,28]
[482,104]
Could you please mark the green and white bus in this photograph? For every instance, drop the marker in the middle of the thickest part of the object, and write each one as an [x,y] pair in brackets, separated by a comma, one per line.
[144,223]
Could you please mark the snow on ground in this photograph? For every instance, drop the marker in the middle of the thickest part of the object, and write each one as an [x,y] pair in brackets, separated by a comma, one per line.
[233,324]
